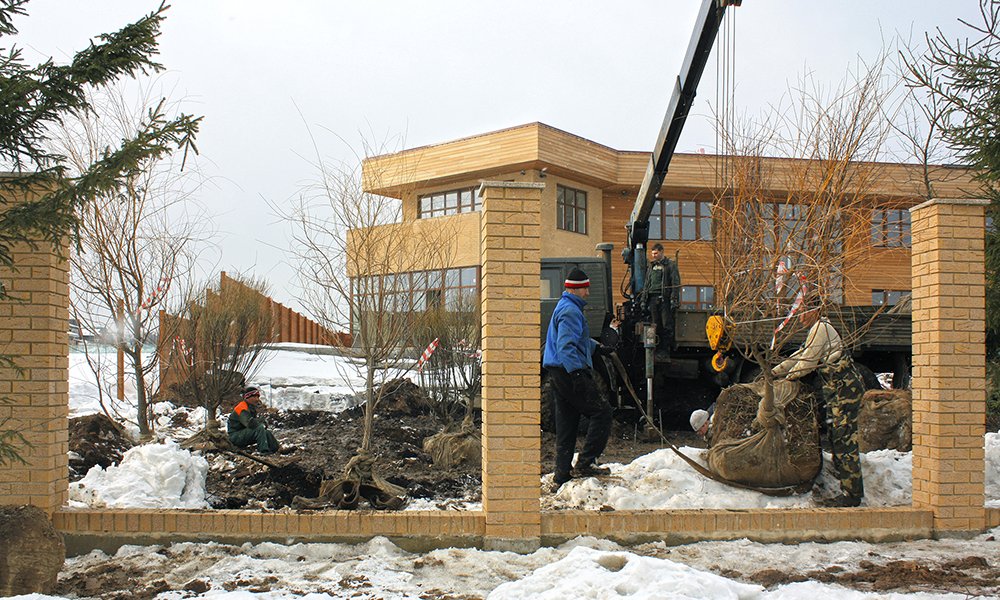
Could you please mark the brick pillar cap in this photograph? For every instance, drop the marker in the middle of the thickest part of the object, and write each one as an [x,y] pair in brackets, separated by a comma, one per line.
[953,201]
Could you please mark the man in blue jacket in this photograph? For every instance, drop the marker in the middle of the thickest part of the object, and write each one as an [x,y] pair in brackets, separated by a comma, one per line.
[567,359]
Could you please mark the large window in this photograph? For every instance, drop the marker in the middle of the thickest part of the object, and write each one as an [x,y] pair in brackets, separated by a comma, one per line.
[887,297]
[891,227]
[454,289]
[680,220]
[571,209]
[699,297]
[448,203]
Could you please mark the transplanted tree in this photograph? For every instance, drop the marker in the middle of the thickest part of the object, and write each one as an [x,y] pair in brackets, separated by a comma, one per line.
[789,231]
[135,243]
[359,267]
[40,199]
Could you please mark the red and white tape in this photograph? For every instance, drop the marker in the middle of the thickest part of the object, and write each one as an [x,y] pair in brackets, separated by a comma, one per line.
[426,356]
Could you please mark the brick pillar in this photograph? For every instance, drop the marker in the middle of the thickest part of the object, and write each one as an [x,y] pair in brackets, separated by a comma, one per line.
[511,255]
[33,330]
[949,364]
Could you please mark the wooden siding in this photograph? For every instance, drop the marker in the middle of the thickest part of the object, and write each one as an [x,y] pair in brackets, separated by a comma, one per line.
[536,146]
[611,179]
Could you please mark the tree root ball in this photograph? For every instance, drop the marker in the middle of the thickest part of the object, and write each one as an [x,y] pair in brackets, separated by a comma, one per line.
[31,551]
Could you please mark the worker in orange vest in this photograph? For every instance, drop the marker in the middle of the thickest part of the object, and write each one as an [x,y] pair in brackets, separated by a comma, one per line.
[245,428]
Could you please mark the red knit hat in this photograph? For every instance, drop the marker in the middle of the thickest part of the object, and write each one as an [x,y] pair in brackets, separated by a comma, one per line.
[577,279]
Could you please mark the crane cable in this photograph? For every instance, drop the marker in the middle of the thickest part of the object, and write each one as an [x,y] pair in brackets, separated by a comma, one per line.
[725,115]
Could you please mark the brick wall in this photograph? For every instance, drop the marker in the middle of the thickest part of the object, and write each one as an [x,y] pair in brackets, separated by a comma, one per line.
[949,369]
[34,327]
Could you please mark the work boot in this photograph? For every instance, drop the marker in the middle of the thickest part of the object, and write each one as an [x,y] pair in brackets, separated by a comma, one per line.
[591,469]
[556,483]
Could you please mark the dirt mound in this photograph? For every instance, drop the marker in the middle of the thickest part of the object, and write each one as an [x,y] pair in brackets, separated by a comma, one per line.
[321,444]
[402,396]
[95,440]
[972,575]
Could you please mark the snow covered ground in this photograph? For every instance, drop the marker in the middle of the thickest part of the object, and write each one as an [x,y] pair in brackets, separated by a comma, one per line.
[162,475]
[584,568]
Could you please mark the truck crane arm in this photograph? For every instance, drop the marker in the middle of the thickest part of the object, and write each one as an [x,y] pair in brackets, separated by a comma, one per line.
[699,48]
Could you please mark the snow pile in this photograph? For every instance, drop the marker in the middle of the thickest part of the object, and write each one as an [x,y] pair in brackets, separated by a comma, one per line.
[588,573]
[888,477]
[150,476]
[662,480]
[992,446]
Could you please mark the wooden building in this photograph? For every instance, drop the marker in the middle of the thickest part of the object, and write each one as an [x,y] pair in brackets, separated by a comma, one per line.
[590,190]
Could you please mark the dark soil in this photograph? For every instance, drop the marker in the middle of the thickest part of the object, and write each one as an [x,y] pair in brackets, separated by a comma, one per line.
[95,440]
[319,444]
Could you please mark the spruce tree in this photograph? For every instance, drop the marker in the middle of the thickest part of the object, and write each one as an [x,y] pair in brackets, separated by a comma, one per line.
[35,97]
[964,76]
[40,197]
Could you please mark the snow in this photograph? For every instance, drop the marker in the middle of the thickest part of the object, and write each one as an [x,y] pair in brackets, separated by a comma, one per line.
[583,568]
[149,476]
[294,377]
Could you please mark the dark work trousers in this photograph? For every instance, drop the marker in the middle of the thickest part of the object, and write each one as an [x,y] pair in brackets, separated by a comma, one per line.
[662,312]
[576,396]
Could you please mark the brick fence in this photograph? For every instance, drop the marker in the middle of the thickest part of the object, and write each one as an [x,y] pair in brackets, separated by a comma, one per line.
[949,409]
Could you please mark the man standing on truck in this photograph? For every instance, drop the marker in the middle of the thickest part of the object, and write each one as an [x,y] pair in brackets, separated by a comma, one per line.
[568,360]
[841,390]
[663,289]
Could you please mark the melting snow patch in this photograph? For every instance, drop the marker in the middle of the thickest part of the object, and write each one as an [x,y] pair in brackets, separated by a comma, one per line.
[150,476]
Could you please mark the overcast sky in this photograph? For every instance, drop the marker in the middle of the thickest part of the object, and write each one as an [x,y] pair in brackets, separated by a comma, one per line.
[432,71]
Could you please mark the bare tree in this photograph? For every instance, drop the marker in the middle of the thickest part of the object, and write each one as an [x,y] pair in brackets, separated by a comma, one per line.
[220,345]
[359,265]
[789,230]
[453,375]
[135,239]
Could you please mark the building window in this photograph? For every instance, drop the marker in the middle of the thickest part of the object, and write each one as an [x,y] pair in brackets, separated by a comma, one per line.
[448,203]
[891,227]
[697,297]
[888,297]
[454,289]
[571,209]
[681,220]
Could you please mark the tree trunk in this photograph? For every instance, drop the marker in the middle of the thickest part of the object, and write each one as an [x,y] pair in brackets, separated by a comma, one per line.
[142,403]
[366,440]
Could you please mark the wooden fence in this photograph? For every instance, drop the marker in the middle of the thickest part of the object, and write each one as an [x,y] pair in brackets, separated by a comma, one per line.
[289,327]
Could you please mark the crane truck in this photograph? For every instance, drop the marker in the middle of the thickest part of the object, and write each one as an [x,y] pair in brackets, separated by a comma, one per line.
[631,378]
